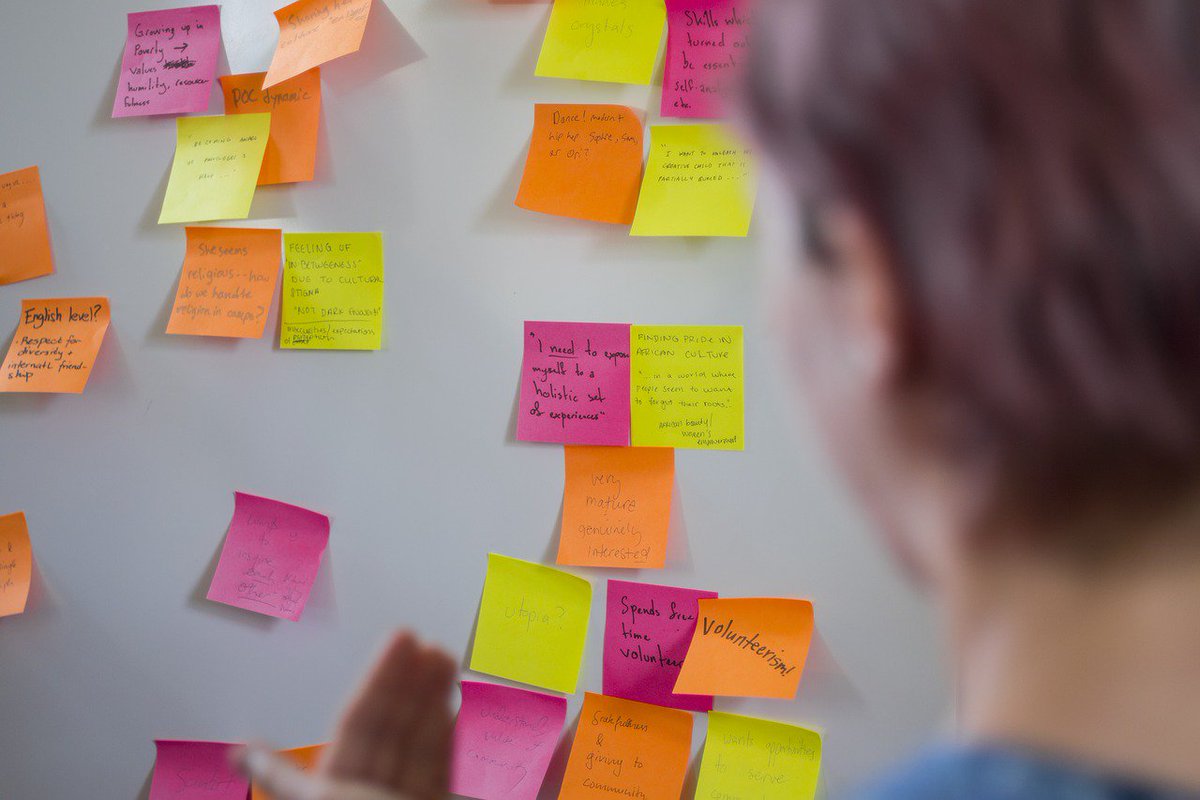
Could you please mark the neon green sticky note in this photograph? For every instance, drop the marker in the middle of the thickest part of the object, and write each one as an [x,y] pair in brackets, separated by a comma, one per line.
[217,160]
[603,40]
[758,759]
[686,386]
[533,620]
[699,181]
[332,291]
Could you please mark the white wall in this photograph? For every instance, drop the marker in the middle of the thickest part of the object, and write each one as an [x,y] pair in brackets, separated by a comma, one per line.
[129,488]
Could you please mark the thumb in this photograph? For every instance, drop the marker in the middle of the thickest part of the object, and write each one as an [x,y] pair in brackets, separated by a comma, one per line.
[276,775]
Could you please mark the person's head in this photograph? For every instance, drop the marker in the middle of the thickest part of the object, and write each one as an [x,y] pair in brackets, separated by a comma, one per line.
[997,204]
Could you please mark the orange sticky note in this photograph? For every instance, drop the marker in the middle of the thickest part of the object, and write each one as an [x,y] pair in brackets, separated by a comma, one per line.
[585,161]
[312,32]
[747,647]
[624,748]
[305,758]
[55,345]
[227,282]
[24,235]
[16,564]
[295,108]
[616,506]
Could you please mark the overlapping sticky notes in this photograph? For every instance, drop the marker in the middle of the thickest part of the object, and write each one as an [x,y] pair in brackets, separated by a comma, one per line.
[575,383]
[55,345]
[584,162]
[226,283]
[532,624]
[312,32]
[24,235]
[216,166]
[758,758]
[504,739]
[270,557]
[616,506]
[699,182]
[647,631]
[170,61]
[195,771]
[748,647]
[305,758]
[706,43]
[623,748]
[295,109]
[687,386]
[332,297]
[602,41]
[16,563]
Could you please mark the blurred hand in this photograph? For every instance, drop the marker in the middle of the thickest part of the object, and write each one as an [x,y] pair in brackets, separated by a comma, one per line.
[393,742]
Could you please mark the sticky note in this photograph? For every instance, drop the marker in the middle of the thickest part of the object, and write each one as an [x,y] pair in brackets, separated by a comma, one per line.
[332,295]
[623,748]
[16,564]
[616,506]
[195,771]
[748,647]
[757,758]
[706,45]
[55,345]
[226,283]
[24,236]
[305,758]
[270,557]
[532,624]
[575,383]
[295,109]
[584,162]
[504,739]
[312,32]
[602,41]
[647,631]
[687,386]
[169,62]
[217,161]
[699,182]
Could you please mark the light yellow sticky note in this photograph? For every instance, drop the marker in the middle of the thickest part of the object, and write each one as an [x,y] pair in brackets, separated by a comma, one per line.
[533,621]
[758,759]
[686,386]
[332,296]
[217,161]
[699,181]
[603,40]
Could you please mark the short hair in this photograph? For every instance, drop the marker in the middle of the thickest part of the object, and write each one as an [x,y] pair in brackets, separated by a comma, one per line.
[1032,168]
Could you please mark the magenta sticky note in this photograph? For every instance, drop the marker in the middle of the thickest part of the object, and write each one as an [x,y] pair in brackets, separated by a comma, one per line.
[503,741]
[575,383]
[706,44]
[270,557]
[195,771]
[646,635]
[170,61]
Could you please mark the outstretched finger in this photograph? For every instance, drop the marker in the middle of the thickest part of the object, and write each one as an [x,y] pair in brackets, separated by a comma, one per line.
[276,775]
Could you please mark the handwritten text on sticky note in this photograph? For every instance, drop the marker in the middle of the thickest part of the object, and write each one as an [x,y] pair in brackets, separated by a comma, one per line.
[169,62]
[16,564]
[706,44]
[227,281]
[332,296]
[217,160]
[55,345]
[312,32]
[602,41]
[295,109]
[24,236]
[196,771]
[760,759]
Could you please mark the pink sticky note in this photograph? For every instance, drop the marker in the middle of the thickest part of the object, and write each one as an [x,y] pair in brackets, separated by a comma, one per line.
[646,635]
[170,61]
[270,557]
[706,43]
[503,741]
[195,771]
[575,383]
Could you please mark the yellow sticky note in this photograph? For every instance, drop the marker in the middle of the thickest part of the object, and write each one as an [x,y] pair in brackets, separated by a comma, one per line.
[332,297]
[699,181]
[533,621]
[758,759]
[217,161]
[603,41]
[16,564]
[686,386]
